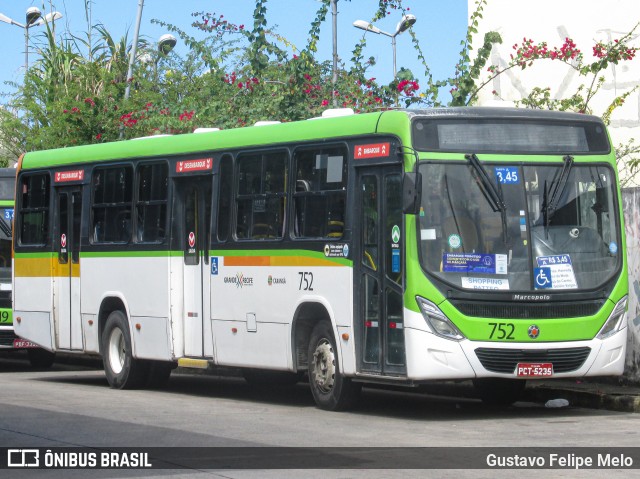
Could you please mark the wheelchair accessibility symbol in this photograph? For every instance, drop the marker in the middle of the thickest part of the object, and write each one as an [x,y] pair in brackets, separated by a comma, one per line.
[542,278]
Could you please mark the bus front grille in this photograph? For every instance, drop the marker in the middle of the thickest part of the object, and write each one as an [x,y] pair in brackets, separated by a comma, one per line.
[505,360]
[483,309]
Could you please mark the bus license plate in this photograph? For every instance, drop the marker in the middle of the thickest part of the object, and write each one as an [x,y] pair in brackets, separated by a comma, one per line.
[534,370]
[23,343]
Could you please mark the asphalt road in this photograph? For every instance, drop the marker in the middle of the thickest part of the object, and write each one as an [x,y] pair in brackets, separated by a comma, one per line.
[72,405]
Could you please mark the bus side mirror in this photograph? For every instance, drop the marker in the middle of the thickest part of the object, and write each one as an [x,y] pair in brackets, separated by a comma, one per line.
[411,194]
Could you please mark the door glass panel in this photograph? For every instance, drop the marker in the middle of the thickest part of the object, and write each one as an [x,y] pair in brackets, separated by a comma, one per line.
[63,237]
[191,255]
[393,227]
[371,301]
[395,329]
[370,222]
[75,244]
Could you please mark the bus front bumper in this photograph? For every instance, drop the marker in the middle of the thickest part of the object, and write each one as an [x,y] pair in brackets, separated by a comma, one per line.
[433,357]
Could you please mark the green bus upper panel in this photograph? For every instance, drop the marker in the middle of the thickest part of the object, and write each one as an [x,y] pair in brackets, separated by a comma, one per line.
[393,122]
[256,136]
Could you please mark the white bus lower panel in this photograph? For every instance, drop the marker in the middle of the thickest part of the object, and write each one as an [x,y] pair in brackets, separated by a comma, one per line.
[259,345]
[151,338]
[432,357]
[34,326]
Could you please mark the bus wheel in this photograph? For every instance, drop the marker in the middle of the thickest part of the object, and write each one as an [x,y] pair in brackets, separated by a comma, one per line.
[40,358]
[122,370]
[330,389]
[499,391]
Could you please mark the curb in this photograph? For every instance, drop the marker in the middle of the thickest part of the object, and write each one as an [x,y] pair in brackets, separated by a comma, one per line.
[594,398]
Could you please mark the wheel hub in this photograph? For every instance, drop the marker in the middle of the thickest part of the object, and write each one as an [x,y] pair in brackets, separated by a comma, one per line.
[324,366]
[116,351]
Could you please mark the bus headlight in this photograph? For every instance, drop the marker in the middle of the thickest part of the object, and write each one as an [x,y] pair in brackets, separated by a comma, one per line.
[437,321]
[617,320]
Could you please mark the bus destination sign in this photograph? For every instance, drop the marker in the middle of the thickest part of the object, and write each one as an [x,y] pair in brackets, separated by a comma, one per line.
[187,166]
[67,176]
[372,150]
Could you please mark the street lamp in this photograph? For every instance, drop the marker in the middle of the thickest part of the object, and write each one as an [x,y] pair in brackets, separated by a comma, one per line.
[403,25]
[166,43]
[33,18]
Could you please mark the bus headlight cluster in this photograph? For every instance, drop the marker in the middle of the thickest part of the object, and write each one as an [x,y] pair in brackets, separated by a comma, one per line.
[437,321]
[617,320]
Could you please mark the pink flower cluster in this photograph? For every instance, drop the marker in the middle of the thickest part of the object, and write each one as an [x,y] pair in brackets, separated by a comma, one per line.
[528,51]
[408,87]
[186,115]
[600,50]
[213,23]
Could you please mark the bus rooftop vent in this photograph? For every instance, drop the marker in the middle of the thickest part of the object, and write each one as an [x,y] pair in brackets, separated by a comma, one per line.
[205,130]
[332,112]
[150,136]
[266,122]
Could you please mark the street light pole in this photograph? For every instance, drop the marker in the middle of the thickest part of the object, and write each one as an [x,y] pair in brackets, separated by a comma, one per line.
[334,78]
[132,57]
[33,18]
[404,24]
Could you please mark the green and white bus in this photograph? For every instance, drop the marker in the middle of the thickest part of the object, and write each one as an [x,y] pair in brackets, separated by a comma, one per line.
[395,248]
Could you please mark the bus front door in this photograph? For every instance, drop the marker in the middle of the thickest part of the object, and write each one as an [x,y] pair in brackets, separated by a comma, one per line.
[378,271]
[193,209]
[66,291]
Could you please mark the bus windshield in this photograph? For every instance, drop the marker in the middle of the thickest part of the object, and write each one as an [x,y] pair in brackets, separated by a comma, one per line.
[555,228]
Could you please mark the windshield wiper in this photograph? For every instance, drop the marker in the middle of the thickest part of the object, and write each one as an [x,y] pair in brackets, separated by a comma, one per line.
[555,191]
[492,193]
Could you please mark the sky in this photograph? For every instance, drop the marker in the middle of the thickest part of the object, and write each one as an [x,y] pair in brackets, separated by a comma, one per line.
[440,27]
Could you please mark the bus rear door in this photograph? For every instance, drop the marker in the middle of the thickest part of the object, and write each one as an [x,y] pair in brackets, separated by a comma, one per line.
[192,210]
[66,289]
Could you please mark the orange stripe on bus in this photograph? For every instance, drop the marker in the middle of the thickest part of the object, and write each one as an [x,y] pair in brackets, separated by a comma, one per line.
[247,261]
[276,261]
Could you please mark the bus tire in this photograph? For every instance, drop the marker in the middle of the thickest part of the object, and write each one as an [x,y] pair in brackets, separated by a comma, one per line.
[123,371]
[331,390]
[40,358]
[499,391]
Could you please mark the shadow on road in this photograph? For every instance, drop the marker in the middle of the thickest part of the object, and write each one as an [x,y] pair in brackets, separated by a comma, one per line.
[434,402]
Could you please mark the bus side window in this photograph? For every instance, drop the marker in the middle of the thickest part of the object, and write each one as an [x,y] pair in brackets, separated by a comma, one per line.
[112,203]
[34,209]
[319,198]
[261,195]
[151,205]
